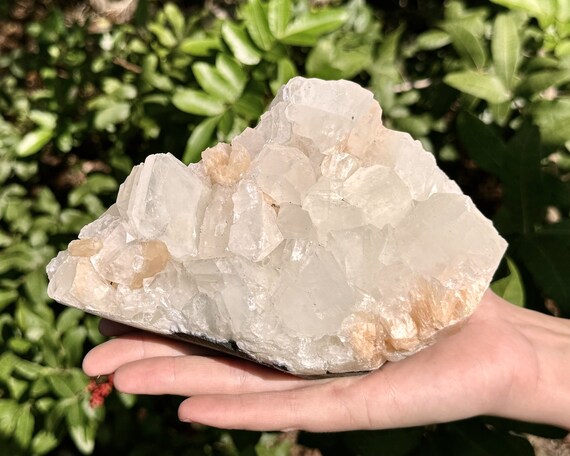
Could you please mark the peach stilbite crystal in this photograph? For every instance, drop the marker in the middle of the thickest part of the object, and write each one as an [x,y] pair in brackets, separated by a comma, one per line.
[319,242]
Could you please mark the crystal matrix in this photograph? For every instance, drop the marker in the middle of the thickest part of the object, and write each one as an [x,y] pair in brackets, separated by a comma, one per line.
[319,242]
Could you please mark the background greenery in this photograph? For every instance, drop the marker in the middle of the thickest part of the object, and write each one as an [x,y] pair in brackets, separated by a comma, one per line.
[484,85]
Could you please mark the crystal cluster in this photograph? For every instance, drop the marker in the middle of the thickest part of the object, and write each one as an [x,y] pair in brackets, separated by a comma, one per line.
[319,242]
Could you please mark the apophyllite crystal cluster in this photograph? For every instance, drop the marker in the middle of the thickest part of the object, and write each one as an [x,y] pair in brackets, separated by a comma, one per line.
[319,242]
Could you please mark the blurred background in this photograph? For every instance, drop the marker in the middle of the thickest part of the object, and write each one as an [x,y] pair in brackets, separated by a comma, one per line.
[88,88]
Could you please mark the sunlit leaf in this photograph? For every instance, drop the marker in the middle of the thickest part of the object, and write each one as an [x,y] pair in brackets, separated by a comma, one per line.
[256,22]
[24,427]
[196,102]
[33,142]
[485,86]
[278,15]
[240,44]
[306,30]
[505,46]
[467,45]
[199,139]
[213,83]
[510,288]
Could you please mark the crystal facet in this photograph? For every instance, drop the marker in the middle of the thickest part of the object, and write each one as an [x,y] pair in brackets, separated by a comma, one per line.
[319,242]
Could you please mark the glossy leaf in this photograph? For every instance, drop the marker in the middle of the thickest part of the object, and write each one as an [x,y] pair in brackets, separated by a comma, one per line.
[196,102]
[24,427]
[240,44]
[537,8]
[8,411]
[82,431]
[33,142]
[199,46]
[485,86]
[257,25]
[111,115]
[232,71]
[542,80]
[467,45]
[213,83]
[306,30]
[200,138]
[505,46]
[433,39]
[511,287]
[175,18]
[278,16]
[43,442]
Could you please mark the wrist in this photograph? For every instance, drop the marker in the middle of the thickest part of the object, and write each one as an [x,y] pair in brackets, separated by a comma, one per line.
[539,389]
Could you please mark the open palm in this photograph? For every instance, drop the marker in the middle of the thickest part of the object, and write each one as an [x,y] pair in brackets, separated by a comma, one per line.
[494,364]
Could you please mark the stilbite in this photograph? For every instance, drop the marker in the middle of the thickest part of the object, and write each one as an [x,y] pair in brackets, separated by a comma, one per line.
[319,242]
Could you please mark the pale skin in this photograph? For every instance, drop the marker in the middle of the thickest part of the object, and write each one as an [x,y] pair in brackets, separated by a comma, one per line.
[505,361]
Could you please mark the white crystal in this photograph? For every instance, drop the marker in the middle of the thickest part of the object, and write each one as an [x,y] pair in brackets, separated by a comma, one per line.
[319,242]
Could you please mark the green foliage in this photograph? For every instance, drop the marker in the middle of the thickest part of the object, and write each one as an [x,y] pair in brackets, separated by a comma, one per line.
[486,88]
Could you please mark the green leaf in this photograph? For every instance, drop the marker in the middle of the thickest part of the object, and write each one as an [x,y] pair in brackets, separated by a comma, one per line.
[482,143]
[467,45]
[433,39]
[511,287]
[522,180]
[175,18]
[257,24]
[7,297]
[24,427]
[249,106]
[553,118]
[273,445]
[95,184]
[35,286]
[486,86]
[506,48]
[111,115]
[44,120]
[9,408]
[62,385]
[81,430]
[307,29]
[213,83]
[73,341]
[200,138]
[544,9]
[17,387]
[278,15]
[68,319]
[199,47]
[535,83]
[7,363]
[240,44]
[43,442]
[545,254]
[196,102]
[33,142]
[232,71]
[164,35]
[285,71]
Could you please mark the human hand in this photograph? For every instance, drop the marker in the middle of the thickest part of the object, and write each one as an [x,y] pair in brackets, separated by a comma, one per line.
[504,361]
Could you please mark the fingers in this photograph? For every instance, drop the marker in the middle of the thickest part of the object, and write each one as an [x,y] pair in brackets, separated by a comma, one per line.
[197,375]
[109,356]
[332,405]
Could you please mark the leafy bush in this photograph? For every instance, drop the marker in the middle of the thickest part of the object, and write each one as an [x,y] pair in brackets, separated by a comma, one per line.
[486,88]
